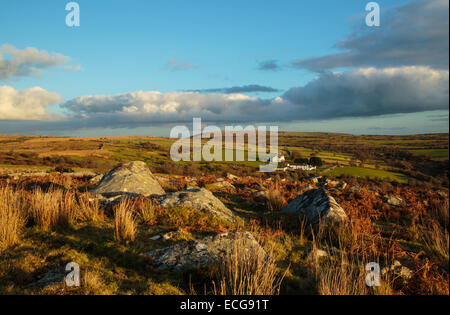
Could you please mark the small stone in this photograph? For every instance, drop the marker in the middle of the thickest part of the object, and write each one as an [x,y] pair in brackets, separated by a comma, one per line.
[316,255]
[260,196]
[442,194]
[398,270]
[223,185]
[394,201]
[355,189]
[96,179]
[231,176]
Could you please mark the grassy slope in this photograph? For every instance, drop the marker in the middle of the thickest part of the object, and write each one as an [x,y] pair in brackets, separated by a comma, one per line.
[366,172]
[121,149]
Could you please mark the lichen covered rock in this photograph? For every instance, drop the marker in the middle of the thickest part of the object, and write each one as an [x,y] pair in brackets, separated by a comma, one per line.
[317,205]
[197,199]
[130,178]
[207,251]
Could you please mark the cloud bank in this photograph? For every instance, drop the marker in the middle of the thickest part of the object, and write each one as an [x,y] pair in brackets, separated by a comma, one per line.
[365,92]
[29,62]
[156,107]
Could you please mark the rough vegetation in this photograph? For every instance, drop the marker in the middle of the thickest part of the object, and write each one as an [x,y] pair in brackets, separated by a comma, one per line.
[221,228]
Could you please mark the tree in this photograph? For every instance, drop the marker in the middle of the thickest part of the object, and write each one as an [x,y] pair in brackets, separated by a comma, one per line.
[315,161]
[301,161]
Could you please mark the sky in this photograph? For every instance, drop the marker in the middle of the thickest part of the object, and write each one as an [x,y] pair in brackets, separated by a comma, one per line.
[139,67]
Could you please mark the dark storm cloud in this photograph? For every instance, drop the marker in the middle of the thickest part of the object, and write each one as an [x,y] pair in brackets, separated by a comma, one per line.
[372,92]
[416,33]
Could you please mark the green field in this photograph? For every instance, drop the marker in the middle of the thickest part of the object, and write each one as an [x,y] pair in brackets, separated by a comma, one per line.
[365,172]
[439,154]
[339,151]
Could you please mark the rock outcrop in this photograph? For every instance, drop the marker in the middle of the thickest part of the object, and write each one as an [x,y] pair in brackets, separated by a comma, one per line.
[130,178]
[52,277]
[207,251]
[197,199]
[80,174]
[317,205]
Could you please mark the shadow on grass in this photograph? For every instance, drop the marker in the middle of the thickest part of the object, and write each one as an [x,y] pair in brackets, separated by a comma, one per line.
[121,263]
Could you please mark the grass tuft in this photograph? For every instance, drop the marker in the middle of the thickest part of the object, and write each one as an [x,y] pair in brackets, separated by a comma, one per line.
[125,225]
[248,271]
[12,217]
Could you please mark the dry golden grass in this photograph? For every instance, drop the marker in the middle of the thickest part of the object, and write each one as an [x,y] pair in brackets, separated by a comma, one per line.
[440,211]
[12,217]
[52,209]
[436,240]
[125,225]
[88,209]
[248,271]
[345,276]
[275,200]
[146,210]
[344,272]
[340,278]
[93,284]
[365,238]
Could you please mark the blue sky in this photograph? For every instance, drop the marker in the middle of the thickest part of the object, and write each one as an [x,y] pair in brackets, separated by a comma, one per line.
[178,46]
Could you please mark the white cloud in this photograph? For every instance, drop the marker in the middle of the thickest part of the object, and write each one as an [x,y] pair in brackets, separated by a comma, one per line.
[29,104]
[179,65]
[30,62]
[169,107]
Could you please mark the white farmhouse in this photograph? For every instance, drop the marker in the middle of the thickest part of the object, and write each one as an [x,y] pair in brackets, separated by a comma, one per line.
[278,159]
[302,167]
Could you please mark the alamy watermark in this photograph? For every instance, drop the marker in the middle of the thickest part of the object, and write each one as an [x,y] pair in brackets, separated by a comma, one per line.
[73,277]
[234,151]
[373,18]
[373,277]
[73,17]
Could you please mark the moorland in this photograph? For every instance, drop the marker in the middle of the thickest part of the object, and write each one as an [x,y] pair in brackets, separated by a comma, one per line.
[393,190]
